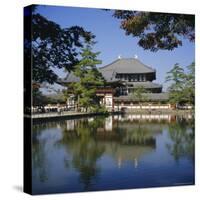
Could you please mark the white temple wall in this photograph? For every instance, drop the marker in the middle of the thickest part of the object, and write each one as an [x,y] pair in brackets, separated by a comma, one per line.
[144,107]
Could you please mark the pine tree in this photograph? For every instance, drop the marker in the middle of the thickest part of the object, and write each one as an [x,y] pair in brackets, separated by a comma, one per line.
[140,94]
[190,84]
[90,79]
[182,88]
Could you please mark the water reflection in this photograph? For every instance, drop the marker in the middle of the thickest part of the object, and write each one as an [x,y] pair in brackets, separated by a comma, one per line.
[38,155]
[181,134]
[86,148]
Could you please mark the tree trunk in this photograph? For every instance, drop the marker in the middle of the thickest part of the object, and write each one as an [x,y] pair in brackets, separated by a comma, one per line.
[77,108]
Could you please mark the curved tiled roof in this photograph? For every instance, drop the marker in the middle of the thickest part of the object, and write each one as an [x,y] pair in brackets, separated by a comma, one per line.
[123,65]
[127,65]
[70,78]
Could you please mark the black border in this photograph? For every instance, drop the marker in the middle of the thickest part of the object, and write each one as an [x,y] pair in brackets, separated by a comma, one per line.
[27,142]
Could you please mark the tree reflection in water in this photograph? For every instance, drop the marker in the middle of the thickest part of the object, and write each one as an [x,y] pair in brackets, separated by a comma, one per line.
[84,149]
[89,140]
[38,155]
[182,136]
[86,141]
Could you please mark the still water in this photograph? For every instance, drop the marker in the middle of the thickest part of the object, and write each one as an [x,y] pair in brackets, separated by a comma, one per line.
[114,152]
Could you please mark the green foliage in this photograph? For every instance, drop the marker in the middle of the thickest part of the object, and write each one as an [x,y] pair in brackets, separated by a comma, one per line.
[90,79]
[182,88]
[51,46]
[157,30]
[38,98]
[85,150]
[190,84]
[99,109]
[177,78]
[66,94]
[56,98]
[139,94]
[182,135]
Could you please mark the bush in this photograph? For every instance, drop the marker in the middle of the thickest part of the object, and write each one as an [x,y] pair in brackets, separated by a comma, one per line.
[99,109]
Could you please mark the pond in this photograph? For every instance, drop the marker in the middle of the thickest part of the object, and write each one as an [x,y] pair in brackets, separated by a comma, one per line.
[113,152]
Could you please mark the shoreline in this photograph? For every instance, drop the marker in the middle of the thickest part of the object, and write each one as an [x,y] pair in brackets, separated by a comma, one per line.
[65,115]
[173,112]
[74,115]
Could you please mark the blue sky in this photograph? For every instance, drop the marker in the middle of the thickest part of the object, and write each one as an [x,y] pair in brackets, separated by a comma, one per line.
[112,41]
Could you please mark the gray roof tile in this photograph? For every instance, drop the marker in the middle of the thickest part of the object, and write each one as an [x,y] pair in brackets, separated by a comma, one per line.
[146,84]
[127,65]
[71,78]
[124,65]
[149,96]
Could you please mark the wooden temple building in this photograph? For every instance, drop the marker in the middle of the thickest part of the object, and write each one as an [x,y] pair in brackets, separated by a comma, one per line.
[123,76]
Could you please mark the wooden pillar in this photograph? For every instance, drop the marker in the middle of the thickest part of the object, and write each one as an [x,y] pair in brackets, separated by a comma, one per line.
[113,107]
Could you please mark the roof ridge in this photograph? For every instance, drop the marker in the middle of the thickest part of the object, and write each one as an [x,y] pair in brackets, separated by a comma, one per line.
[145,64]
[128,59]
[110,63]
[66,77]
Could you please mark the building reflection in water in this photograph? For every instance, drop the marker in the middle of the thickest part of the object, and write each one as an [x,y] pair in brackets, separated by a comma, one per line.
[123,138]
[112,136]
